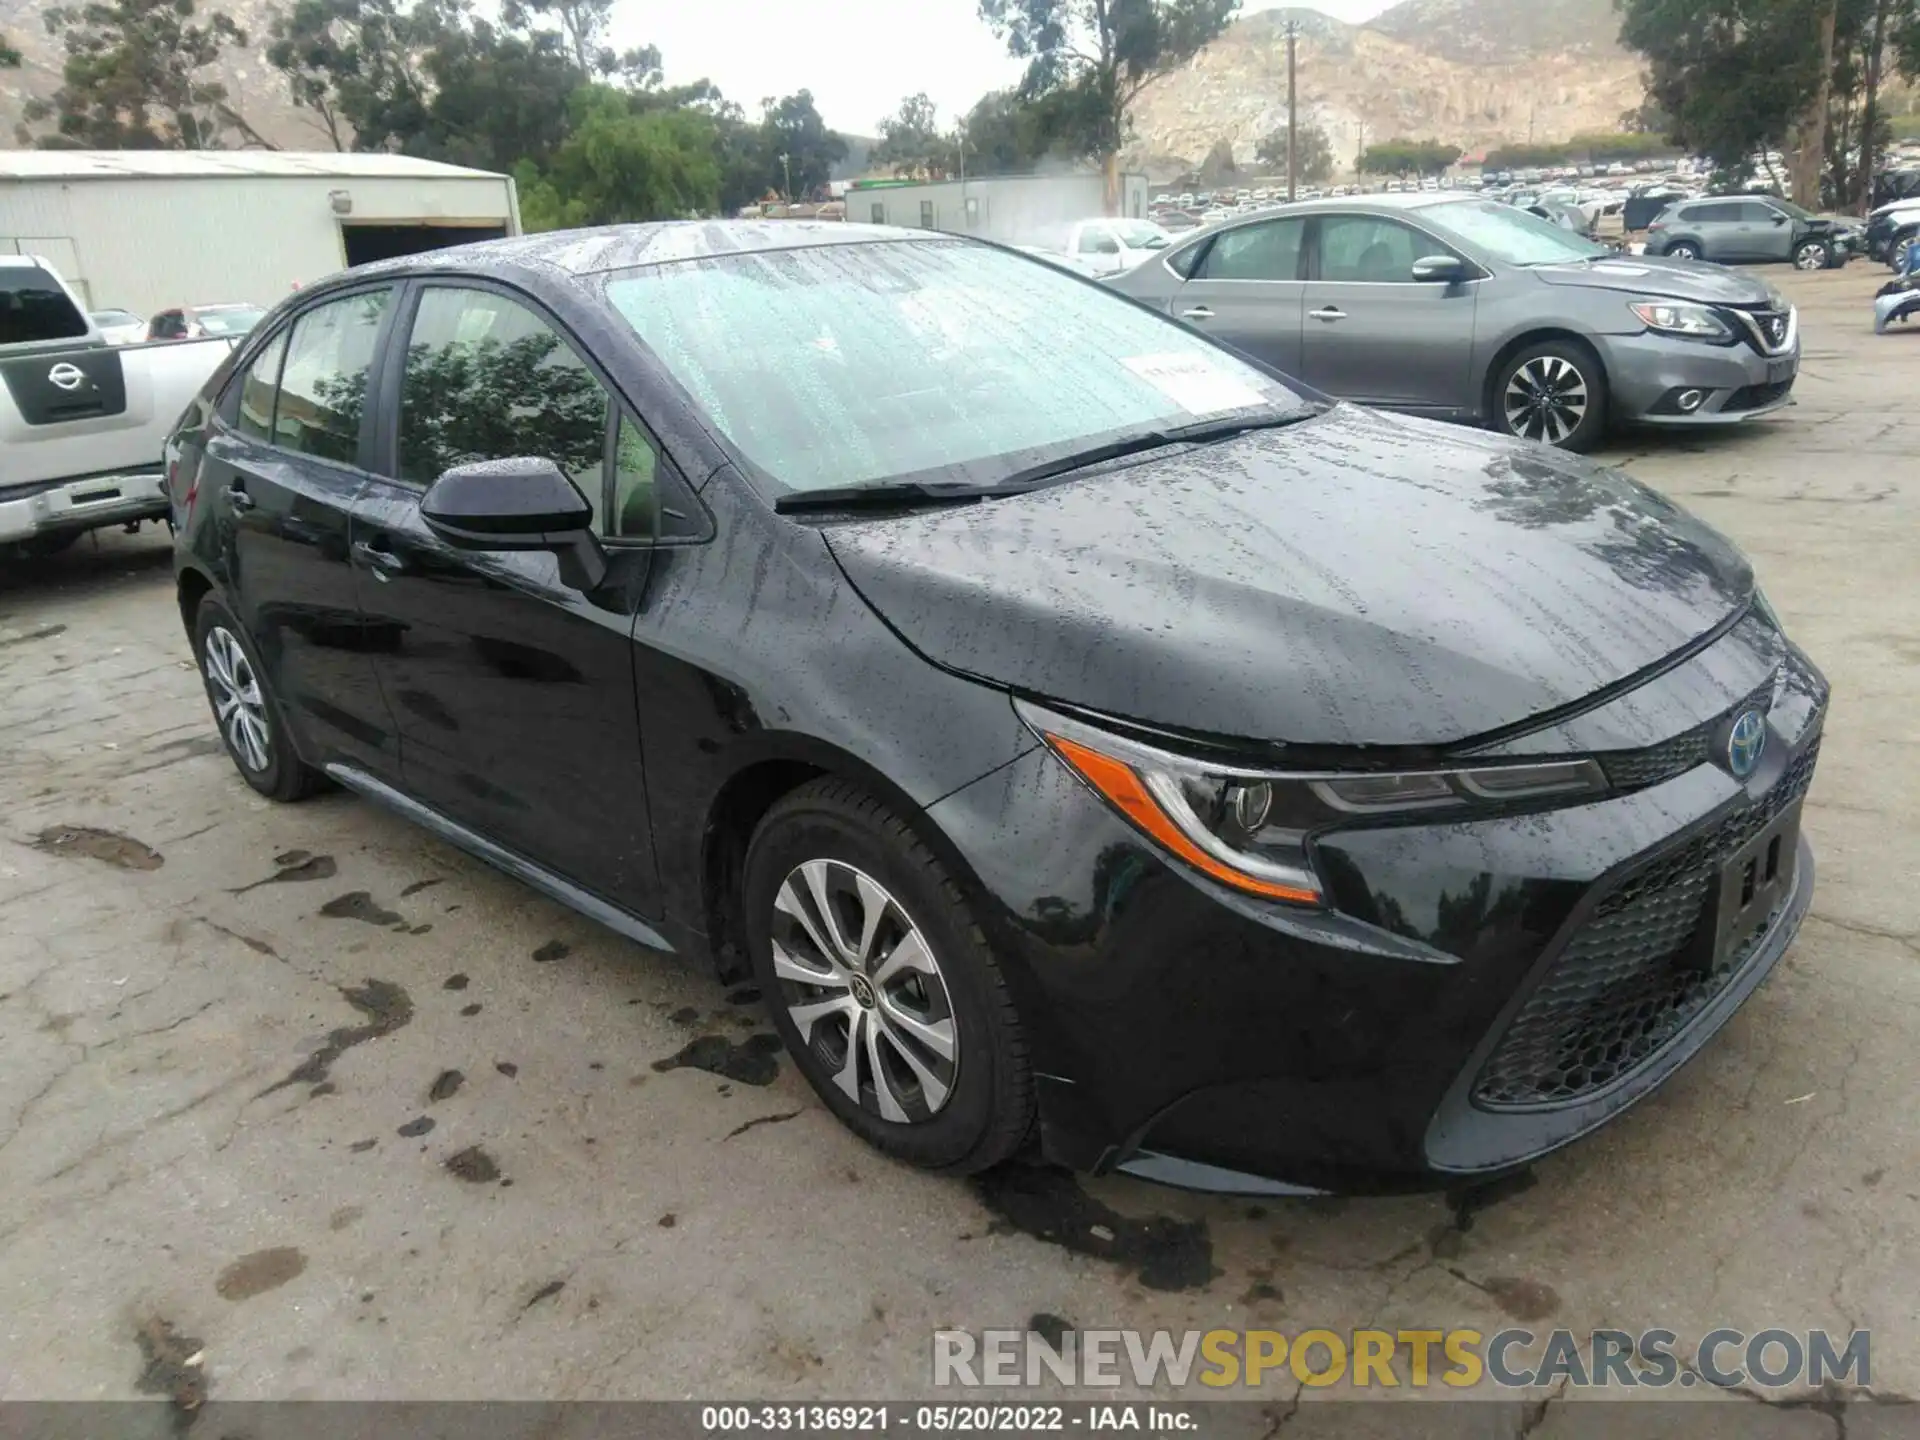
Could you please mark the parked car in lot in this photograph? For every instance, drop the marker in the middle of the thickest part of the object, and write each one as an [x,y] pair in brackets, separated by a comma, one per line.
[1889,228]
[1107,246]
[196,322]
[1749,228]
[1466,309]
[1078,731]
[82,422]
[119,327]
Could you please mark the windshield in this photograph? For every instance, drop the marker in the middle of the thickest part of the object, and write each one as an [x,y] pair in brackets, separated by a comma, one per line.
[228,319]
[1792,209]
[1140,235]
[860,364]
[1504,233]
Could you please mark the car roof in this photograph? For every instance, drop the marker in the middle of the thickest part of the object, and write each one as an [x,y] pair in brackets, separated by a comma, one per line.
[625,247]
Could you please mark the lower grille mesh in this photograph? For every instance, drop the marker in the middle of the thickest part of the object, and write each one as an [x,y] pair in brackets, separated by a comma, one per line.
[1615,997]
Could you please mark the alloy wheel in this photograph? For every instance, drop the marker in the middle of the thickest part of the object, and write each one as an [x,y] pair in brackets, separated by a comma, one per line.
[1810,257]
[237,702]
[1546,399]
[863,988]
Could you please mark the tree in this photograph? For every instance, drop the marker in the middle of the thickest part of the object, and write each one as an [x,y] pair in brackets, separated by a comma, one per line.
[911,142]
[793,128]
[1102,53]
[1408,157]
[583,26]
[134,79]
[621,162]
[1313,153]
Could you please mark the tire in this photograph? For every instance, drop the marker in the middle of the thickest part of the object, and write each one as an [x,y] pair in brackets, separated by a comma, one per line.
[1577,382]
[1813,255]
[254,730]
[1682,250]
[960,1113]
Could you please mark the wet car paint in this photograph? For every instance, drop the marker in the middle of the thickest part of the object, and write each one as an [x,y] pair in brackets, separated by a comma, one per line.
[1352,582]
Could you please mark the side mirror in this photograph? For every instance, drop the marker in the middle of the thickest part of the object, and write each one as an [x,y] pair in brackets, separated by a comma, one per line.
[1439,270]
[522,503]
[1778,218]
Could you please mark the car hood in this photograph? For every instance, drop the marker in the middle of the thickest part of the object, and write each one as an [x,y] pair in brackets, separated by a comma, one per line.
[1352,580]
[1657,275]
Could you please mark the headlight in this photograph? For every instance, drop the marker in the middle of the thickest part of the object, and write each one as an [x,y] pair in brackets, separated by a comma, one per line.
[1677,317]
[1249,828]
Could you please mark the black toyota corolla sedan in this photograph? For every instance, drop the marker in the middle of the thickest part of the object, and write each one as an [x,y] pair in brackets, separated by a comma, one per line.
[1078,731]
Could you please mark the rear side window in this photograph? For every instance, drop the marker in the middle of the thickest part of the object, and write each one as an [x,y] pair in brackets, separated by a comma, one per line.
[257,389]
[487,379]
[1270,251]
[34,309]
[323,385]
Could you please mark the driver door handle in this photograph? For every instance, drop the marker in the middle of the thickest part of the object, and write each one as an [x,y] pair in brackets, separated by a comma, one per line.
[1329,312]
[383,563]
[1199,312]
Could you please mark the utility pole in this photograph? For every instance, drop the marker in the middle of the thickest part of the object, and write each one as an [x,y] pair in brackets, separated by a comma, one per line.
[1359,150]
[1293,112]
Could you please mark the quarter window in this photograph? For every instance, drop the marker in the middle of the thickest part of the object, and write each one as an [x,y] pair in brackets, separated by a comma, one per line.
[636,467]
[487,379]
[1361,249]
[1269,251]
[257,389]
[323,385]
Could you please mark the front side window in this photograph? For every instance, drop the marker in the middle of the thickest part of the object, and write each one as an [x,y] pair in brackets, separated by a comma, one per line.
[1267,251]
[488,379]
[323,385]
[1366,250]
[857,364]
[257,389]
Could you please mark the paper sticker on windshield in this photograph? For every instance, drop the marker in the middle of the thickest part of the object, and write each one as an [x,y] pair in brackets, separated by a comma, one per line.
[1194,383]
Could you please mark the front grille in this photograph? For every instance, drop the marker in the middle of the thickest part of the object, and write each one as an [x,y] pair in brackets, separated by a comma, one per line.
[1765,330]
[1752,397]
[1616,996]
[1637,769]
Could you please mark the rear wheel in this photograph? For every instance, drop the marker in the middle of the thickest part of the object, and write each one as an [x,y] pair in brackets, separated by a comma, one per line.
[881,982]
[1554,392]
[1812,255]
[245,708]
[1683,250]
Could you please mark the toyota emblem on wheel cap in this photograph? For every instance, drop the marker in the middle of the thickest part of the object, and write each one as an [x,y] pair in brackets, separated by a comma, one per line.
[1746,742]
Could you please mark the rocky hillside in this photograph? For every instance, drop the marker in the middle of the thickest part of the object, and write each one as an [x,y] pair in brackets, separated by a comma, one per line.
[1472,73]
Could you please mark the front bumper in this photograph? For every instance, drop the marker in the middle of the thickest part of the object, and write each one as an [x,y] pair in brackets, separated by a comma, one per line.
[1648,374]
[1466,1005]
[82,504]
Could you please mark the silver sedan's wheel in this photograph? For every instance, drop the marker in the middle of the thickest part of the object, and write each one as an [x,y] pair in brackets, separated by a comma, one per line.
[864,991]
[237,702]
[1546,399]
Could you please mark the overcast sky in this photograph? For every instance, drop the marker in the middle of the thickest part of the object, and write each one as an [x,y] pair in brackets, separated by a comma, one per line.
[859,57]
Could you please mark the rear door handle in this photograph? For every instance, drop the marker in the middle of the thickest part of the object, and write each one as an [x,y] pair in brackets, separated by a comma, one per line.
[1199,312]
[238,498]
[1330,312]
[383,563]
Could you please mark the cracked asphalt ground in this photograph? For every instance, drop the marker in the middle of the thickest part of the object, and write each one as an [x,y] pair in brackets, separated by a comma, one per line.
[353,1116]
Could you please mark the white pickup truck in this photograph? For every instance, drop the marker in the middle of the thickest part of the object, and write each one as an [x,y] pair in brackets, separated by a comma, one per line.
[1102,247]
[82,422]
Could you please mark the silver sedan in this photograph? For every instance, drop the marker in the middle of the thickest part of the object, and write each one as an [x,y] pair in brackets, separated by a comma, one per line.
[1463,309]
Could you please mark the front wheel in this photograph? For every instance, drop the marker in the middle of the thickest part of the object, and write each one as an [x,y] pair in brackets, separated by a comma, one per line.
[881,982]
[1554,392]
[1812,255]
[1683,250]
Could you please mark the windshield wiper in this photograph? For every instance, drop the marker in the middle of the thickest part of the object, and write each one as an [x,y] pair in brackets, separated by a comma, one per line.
[1199,433]
[901,495]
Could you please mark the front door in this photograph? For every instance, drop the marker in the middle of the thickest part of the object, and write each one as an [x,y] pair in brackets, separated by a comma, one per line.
[282,467]
[1371,332]
[1245,292]
[511,687]
[1769,232]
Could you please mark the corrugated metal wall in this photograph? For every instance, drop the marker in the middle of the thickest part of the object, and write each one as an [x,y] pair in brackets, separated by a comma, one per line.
[1018,210]
[145,244]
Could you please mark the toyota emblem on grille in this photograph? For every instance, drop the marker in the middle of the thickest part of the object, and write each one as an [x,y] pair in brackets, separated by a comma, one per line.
[1746,742]
[67,377]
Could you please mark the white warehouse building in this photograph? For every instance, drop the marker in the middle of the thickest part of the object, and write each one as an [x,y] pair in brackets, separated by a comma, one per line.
[144,230]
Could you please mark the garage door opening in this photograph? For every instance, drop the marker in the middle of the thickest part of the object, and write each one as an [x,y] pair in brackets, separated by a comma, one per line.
[367,243]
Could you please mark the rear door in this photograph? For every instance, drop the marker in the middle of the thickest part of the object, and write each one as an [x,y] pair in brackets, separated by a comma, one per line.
[281,470]
[1370,332]
[1245,291]
[513,690]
